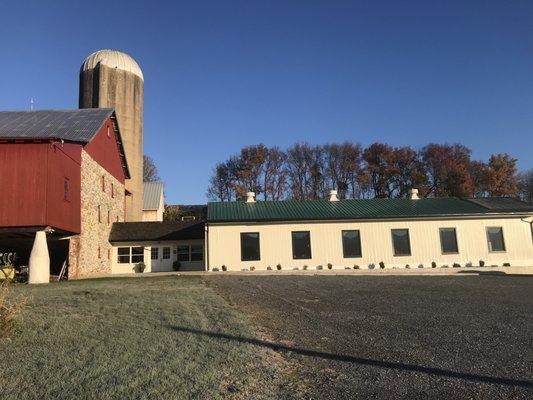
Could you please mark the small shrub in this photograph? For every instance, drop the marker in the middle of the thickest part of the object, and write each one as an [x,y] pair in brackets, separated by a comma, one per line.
[252,268]
[347,267]
[9,310]
[433,264]
[444,266]
[319,267]
[506,264]
[269,268]
[468,264]
[456,265]
[381,265]
[176,265]
[278,267]
[140,267]
[305,267]
[330,265]
[481,263]
[356,266]
[215,269]
[224,268]
[295,268]
[407,266]
[420,265]
[371,266]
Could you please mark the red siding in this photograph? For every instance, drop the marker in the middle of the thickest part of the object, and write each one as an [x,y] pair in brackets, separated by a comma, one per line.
[104,150]
[64,163]
[32,179]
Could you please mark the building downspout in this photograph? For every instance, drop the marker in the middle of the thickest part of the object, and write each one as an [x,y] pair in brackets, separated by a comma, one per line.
[206,247]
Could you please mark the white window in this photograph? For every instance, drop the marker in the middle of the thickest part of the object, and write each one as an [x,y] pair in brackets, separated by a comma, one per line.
[495,238]
[166,253]
[123,255]
[127,255]
[154,253]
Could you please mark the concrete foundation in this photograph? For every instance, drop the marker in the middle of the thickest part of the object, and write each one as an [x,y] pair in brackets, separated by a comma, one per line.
[39,260]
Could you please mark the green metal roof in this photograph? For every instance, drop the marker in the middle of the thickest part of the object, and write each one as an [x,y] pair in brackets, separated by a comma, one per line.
[298,210]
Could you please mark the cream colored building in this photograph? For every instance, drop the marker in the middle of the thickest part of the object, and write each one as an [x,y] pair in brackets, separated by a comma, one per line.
[161,246]
[344,233]
[153,201]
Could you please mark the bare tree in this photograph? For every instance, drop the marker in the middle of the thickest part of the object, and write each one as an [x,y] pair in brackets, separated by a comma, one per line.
[274,174]
[343,168]
[525,185]
[150,173]
[221,184]
[248,167]
[380,168]
[305,165]
[407,172]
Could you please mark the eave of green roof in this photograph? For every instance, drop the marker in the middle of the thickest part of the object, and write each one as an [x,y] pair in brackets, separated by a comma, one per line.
[295,210]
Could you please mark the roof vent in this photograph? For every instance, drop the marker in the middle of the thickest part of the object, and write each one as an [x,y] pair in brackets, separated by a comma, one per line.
[333,195]
[250,197]
[414,194]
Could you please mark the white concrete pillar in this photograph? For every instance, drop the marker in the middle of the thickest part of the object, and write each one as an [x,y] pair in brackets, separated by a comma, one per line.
[39,260]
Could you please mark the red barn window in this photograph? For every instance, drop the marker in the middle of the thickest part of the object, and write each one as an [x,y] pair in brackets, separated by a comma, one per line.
[66,189]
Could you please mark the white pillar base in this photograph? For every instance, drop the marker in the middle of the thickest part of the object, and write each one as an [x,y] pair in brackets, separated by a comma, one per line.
[39,260]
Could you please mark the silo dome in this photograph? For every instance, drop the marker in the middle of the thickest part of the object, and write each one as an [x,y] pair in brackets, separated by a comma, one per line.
[112,59]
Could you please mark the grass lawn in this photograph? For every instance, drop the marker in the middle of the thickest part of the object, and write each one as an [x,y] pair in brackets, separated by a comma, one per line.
[128,338]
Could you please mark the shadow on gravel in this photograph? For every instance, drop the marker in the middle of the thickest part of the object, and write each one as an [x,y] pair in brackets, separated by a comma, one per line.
[358,360]
[495,273]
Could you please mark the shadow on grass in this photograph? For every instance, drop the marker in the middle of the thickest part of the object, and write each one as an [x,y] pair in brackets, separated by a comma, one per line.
[358,360]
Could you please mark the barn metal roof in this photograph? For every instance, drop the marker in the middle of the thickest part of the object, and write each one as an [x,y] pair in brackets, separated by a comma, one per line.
[79,125]
[152,192]
[294,210]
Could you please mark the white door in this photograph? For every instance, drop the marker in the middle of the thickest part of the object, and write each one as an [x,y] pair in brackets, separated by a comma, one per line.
[166,258]
[161,258]
[154,255]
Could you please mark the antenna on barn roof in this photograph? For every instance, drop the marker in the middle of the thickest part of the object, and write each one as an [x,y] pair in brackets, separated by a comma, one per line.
[31,103]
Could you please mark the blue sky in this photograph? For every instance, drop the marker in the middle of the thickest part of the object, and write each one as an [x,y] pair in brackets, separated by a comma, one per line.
[223,74]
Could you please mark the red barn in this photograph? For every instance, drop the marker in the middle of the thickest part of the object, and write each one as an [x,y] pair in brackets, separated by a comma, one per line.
[63,172]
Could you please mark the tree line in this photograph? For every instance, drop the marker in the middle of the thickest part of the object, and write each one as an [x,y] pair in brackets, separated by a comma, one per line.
[306,171]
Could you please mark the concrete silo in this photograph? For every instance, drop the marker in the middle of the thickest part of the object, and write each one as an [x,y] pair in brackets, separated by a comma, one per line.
[111,79]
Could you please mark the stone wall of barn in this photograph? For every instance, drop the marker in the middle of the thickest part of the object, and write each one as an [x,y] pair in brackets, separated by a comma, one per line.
[102,203]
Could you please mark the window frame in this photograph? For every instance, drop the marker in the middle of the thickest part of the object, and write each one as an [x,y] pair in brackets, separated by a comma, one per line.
[408,242]
[138,256]
[488,239]
[188,252]
[154,250]
[201,252]
[123,255]
[258,246]
[442,244]
[168,248]
[66,189]
[310,245]
[359,240]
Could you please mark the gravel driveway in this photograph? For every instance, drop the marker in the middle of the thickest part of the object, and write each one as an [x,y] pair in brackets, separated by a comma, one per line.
[394,337]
